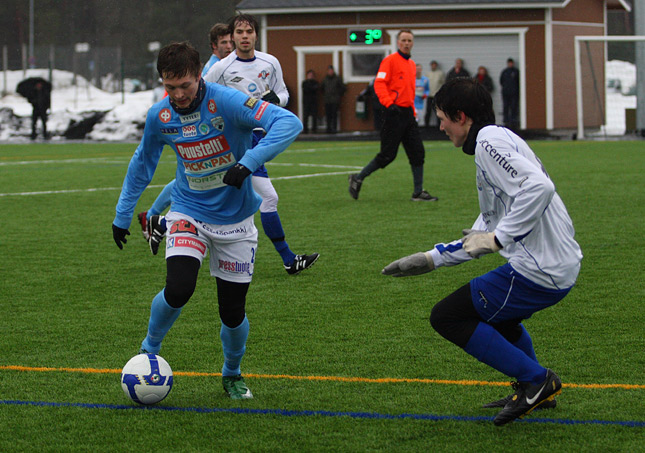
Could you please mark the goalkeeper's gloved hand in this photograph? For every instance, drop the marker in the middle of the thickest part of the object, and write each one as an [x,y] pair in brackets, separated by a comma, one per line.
[236,175]
[156,231]
[477,243]
[119,235]
[271,97]
[416,264]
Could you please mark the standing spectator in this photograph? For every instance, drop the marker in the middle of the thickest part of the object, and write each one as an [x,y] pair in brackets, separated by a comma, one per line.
[395,87]
[422,91]
[333,89]
[484,79]
[458,70]
[38,93]
[437,78]
[522,217]
[310,88]
[259,75]
[509,79]
[213,198]
[221,45]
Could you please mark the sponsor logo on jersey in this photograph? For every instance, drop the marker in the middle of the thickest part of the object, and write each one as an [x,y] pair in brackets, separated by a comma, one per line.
[264,74]
[165,115]
[212,107]
[218,123]
[252,87]
[250,103]
[188,243]
[261,110]
[207,166]
[192,118]
[201,183]
[204,129]
[236,79]
[169,130]
[235,267]
[189,131]
[381,75]
[203,148]
[498,158]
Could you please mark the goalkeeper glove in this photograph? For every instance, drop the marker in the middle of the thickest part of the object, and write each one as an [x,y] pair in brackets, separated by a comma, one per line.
[156,231]
[477,243]
[271,97]
[416,264]
[236,175]
[119,235]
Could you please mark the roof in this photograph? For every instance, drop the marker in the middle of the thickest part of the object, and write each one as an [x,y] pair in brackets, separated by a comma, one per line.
[323,6]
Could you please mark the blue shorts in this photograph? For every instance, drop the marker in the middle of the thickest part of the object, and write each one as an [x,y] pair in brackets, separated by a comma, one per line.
[503,294]
[262,171]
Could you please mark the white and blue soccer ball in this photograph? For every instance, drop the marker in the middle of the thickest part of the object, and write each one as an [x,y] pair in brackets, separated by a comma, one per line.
[146,378]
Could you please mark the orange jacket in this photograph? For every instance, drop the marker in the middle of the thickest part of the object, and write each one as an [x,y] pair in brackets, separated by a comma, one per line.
[395,81]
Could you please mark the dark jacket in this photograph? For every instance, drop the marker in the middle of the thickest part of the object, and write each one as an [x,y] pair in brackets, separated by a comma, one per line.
[510,81]
[333,89]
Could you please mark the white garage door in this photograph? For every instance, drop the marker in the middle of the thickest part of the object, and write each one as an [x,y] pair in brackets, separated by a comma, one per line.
[488,50]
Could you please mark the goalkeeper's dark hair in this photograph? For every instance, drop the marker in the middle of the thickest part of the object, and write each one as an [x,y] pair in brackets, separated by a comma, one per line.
[177,60]
[240,19]
[465,95]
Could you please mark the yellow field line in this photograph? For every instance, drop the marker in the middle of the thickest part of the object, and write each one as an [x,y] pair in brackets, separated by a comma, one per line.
[322,378]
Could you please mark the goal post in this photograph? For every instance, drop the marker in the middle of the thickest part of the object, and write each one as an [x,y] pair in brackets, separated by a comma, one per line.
[596,70]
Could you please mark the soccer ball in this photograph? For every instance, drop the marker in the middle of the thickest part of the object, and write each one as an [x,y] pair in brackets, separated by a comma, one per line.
[146,378]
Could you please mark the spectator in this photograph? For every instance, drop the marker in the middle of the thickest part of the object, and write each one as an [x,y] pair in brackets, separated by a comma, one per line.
[458,70]
[484,79]
[509,79]
[38,93]
[333,89]
[422,91]
[310,89]
[437,78]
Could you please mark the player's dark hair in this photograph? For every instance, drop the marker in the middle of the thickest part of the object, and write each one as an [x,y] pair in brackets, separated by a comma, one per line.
[468,96]
[217,31]
[178,59]
[242,18]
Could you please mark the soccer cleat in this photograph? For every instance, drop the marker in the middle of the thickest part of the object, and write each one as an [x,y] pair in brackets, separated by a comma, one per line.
[236,388]
[502,402]
[423,196]
[301,263]
[143,221]
[156,232]
[354,185]
[529,396]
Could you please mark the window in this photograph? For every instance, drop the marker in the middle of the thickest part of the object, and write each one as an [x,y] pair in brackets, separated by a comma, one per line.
[361,65]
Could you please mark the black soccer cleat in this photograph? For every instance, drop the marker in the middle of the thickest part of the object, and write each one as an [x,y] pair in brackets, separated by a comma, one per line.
[354,185]
[504,401]
[529,396]
[301,263]
[156,232]
[423,196]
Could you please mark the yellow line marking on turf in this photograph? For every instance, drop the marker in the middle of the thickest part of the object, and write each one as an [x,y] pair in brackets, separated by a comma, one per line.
[322,378]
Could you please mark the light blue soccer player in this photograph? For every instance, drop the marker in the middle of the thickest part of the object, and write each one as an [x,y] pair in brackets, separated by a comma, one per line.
[213,203]
[524,219]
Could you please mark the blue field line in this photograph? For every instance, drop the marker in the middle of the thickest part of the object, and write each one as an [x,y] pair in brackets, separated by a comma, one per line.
[321,413]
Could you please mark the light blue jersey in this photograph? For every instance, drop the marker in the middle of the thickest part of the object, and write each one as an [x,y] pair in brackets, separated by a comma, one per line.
[207,142]
[211,61]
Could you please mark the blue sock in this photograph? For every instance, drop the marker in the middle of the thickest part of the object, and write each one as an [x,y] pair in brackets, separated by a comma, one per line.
[234,346]
[526,344]
[488,346]
[162,317]
[273,229]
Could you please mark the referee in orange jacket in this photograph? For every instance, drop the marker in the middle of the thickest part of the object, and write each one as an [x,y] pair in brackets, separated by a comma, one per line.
[395,87]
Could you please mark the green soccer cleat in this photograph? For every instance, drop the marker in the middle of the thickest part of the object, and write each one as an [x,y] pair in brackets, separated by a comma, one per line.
[236,388]
[528,397]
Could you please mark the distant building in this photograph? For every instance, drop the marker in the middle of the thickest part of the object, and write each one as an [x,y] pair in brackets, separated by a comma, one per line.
[537,34]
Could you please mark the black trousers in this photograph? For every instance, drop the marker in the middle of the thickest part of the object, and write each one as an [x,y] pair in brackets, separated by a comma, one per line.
[331,114]
[310,110]
[400,127]
[36,114]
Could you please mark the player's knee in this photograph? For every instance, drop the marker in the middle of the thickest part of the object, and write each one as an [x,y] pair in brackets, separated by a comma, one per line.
[181,279]
[269,203]
[231,298]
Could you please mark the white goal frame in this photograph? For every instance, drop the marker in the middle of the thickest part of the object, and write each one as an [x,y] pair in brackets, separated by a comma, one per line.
[578,41]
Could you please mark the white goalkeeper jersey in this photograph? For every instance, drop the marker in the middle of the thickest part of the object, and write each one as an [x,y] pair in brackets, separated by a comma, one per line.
[518,202]
[253,76]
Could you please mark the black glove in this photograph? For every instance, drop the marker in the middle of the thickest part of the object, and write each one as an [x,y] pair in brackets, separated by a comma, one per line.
[236,175]
[271,97]
[394,109]
[119,235]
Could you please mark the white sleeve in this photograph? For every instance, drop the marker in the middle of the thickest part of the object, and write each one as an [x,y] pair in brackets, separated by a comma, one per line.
[277,84]
[451,254]
[214,73]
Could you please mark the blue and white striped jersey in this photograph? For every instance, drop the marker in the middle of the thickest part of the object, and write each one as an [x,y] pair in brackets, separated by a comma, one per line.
[518,201]
[207,143]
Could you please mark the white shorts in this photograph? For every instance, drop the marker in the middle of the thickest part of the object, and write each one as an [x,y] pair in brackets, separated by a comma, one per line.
[232,247]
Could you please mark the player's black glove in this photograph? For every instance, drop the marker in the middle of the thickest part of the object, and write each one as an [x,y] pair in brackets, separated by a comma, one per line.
[119,235]
[394,109]
[271,97]
[236,175]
